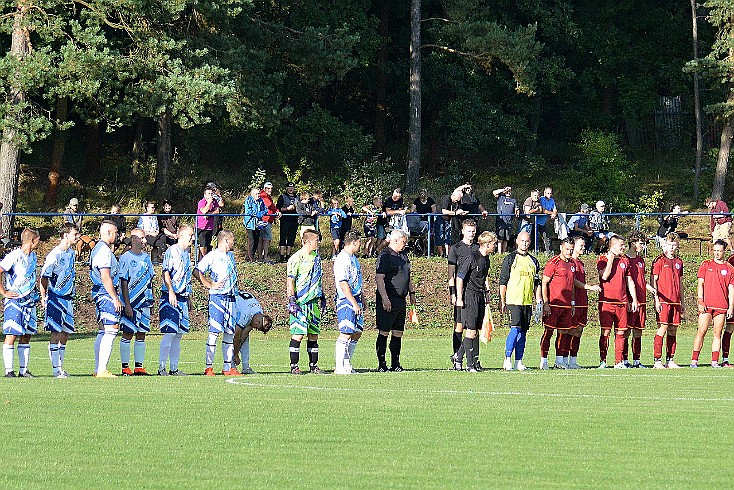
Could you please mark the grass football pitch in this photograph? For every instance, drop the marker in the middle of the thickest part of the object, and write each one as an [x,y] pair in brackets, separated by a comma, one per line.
[427,427]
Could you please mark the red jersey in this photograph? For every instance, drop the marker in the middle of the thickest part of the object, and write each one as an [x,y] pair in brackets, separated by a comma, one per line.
[670,274]
[582,298]
[716,281]
[637,273]
[560,287]
[614,289]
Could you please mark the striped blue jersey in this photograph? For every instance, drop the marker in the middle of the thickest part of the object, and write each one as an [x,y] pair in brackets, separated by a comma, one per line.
[346,268]
[246,307]
[221,267]
[20,272]
[138,271]
[178,264]
[103,258]
[59,269]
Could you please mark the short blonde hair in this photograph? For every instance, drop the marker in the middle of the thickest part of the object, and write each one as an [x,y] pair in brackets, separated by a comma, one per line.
[487,237]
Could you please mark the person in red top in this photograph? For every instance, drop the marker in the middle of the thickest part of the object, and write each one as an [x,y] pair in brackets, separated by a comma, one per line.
[616,289]
[581,310]
[715,301]
[720,220]
[636,320]
[558,304]
[266,233]
[667,279]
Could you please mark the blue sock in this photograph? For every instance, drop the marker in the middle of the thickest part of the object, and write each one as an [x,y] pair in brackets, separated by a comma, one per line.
[511,340]
[520,345]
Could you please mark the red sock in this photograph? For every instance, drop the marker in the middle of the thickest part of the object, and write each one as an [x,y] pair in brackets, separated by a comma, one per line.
[636,348]
[545,341]
[657,347]
[619,343]
[625,349]
[566,345]
[715,356]
[575,344]
[603,347]
[725,344]
[694,356]
[670,345]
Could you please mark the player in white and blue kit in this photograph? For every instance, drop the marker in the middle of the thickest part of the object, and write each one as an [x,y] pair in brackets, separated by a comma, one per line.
[19,290]
[175,301]
[248,316]
[349,303]
[57,292]
[136,294]
[104,273]
[220,266]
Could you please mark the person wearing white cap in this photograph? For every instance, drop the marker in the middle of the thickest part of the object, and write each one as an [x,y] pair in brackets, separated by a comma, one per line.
[72,214]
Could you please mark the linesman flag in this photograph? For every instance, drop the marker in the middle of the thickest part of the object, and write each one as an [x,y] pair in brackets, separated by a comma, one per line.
[487,326]
[413,316]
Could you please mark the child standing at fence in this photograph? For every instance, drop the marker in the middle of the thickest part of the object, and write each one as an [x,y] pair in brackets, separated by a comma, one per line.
[336,219]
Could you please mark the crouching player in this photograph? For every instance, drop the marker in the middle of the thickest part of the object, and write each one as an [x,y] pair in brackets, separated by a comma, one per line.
[19,290]
[715,301]
[349,303]
[306,301]
[175,301]
[136,286]
[248,316]
[472,296]
[220,266]
[666,278]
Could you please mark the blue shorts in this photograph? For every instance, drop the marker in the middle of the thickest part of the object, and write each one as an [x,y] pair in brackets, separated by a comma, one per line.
[349,322]
[380,233]
[20,317]
[526,227]
[603,234]
[221,313]
[266,233]
[139,323]
[59,313]
[174,320]
[442,233]
[335,233]
[106,313]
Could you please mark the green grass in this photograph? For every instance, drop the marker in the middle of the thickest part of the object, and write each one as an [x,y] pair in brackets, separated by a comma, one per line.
[427,427]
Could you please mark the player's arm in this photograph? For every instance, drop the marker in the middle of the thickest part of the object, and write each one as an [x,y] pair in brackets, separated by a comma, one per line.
[290,286]
[344,286]
[452,282]
[545,294]
[43,290]
[3,291]
[460,291]
[504,279]
[607,273]
[701,304]
[582,285]
[654,283]
[411,292]
[380,282]
[730,311]
[632,290]
[124,288]
[110,287]
[169,285]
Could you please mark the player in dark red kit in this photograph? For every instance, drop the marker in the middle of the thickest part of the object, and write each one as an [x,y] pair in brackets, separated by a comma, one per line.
[636,320]
[558,304]
[581,309]
[666,278]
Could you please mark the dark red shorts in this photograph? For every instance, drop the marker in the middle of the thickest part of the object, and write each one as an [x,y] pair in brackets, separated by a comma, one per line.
[560,317]
[637,319]
[714,312]
[669,314]
[580,316]
[613,315]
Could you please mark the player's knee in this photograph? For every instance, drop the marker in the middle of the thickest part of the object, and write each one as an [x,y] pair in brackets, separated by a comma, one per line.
[397,333]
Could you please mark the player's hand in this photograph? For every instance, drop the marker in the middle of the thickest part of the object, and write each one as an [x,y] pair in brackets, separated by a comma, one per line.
[659,306]
[217,284]
[453,300]
[546,309]
[128,311]
[293,307]
[10,294]
[236,358]
[322,303]
[634,306]
[701,306]
[460,302]
[729,313]
[357,309]
[503,307]
[386,305]
[172,299]
[118,305]
[596,288]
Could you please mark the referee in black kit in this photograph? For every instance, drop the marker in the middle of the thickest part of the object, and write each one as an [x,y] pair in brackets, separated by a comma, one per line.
[393,286]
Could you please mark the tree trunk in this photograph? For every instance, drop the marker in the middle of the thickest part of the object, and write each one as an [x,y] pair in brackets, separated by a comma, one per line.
[57,157]
[381,86]
[9,149]
[414,145]
[722,162]
[696,105]
[163,165]
[138,153]
[93,151]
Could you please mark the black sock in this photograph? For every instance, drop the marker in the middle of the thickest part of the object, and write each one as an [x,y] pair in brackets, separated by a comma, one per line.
[469,349]
[124,365]
[138,364]
[475,345]
[460,353]
[381,348]
[295,349]
[395,344]
[457,341]
[312,347]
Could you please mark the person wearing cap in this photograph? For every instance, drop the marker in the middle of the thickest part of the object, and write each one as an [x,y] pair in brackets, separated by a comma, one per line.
[207,208]
[599,224]
[72,214]
[578,225]
[286,205]
[507,210]
[266,232]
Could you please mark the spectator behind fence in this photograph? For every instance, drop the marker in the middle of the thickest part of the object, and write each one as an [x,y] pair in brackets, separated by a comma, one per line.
[423,205]
[169,224]
[578,225]
[450,225]
[599,224]
[115,217]
[253,210]
[307,210]
[531,209]
[470,202]
[348,209]
[266,232]
[507,209]
[286,205]
[394,208]
[374,228]
[550,212]
[669,224]
[336,220]
[209,207]
[72,214]
[153,236]
[720,220]
[320,207]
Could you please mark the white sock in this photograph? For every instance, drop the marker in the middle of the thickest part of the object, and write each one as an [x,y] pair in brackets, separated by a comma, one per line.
[559,360]
[53,353]
[165,350]
[62,352]
[351,346]
[105,349]
[245,353]
[227,350]
[139,352]
[340,352]
[125,351]
[175,351]
[97,341]
[24,354]
[566,360]
[8,355]
[211,345]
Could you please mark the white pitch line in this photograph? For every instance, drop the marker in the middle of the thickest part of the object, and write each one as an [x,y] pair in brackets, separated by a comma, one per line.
[242,382]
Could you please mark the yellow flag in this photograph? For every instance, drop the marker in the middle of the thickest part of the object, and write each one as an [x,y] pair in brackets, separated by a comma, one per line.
[487,326]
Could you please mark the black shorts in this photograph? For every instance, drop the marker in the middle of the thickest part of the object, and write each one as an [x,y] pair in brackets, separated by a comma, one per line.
[457,314]
[205,238]
[472,314]
[393,319]
[288,231]
[520,316]
[503,230]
